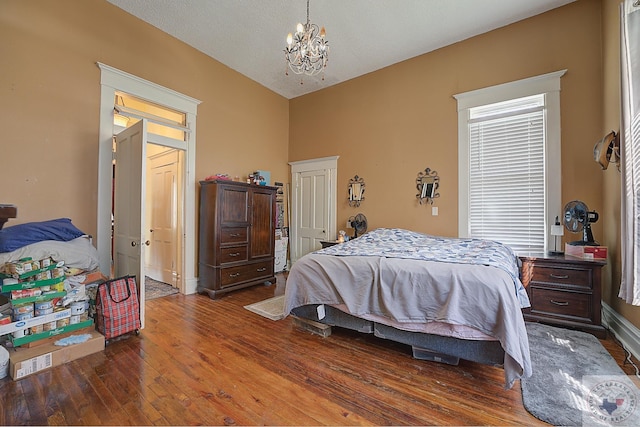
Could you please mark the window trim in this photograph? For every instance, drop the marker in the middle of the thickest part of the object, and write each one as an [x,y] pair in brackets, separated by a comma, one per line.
[547,84]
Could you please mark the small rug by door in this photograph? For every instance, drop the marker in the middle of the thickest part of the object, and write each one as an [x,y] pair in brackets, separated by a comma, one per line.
[154,289]
[575,381]
[272,308]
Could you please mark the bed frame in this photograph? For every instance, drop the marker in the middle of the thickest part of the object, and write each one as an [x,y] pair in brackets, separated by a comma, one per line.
[424,346]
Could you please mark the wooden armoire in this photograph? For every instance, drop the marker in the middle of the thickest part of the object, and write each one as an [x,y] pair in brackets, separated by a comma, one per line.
[237,236]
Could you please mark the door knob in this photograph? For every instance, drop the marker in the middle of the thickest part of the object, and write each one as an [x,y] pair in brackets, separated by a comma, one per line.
[147,243]
[133,244]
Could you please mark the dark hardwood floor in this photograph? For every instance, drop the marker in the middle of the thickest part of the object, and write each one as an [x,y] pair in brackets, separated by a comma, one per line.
[200,361]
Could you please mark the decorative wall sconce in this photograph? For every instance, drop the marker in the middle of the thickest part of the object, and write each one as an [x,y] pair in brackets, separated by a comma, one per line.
[356,191]
[608,149]
[427,184]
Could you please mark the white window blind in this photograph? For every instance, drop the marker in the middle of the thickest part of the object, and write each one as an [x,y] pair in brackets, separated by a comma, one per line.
[507,173]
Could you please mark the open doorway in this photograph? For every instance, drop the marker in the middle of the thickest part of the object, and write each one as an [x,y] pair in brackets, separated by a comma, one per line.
[161,181]
[163,216]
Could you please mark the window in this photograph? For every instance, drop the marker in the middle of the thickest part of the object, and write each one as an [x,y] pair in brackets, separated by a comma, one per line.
[509,162]
[162,121]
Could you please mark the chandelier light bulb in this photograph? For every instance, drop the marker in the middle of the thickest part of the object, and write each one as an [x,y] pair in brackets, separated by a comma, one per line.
[322,32]
[300,28]
[289,39]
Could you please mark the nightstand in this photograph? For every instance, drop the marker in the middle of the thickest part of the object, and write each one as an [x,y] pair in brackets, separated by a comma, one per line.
[564,291]
[328,243]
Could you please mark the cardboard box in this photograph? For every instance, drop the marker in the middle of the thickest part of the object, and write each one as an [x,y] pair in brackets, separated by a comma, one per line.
[586,252]
[27,361]
[34,321]
[51,333]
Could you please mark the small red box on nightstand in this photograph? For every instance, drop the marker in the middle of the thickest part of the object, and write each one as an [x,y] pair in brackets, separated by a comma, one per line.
[585,252]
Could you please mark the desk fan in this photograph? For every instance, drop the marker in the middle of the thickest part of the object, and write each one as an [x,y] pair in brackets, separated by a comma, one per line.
[359,224]
[577,218]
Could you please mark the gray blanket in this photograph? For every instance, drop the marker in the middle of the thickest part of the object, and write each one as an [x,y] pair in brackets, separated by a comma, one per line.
[408,290]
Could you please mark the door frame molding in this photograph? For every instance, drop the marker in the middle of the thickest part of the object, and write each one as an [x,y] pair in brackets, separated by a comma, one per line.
[330,165]
[112,80]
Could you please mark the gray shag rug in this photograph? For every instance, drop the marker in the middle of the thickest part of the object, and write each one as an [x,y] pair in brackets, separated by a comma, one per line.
[575,381]
[154,289]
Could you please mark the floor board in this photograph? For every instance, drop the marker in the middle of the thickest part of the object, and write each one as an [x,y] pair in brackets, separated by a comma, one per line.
[203,361]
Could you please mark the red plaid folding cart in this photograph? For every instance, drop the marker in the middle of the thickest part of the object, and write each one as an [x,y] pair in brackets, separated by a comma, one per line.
[117,307]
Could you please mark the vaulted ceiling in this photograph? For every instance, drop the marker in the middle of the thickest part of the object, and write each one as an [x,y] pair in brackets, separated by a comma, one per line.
[249,36]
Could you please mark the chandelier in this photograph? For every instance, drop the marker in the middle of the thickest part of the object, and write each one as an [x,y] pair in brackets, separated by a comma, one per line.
[307,50]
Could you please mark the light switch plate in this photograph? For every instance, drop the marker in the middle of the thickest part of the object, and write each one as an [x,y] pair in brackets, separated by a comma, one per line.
[434,210]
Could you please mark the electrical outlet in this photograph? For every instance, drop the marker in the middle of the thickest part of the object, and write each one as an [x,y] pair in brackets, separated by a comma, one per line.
[434,210]
[348,224]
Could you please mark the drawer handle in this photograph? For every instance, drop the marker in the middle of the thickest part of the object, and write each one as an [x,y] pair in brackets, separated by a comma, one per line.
[235,254]
[261,269]
[233,275]
[555,276]
[234,234]
[563,303]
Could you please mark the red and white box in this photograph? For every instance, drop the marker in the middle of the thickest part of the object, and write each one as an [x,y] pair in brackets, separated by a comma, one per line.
[586,252]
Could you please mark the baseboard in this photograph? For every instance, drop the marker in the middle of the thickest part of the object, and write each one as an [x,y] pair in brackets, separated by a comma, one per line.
[623,330]
[191,286]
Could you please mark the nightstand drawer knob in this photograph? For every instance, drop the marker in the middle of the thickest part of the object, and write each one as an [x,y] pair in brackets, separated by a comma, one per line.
[556,276]
[559,302]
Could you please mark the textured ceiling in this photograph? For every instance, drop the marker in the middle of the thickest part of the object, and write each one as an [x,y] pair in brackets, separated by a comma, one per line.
[364,35]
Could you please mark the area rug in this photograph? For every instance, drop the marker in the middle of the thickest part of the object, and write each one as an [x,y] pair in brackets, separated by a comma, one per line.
[154,289]
[272,308]
[575,381]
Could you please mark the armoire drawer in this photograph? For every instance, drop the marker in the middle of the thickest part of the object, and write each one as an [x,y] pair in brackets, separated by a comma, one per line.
[244,273]
[233,254]
[231,235]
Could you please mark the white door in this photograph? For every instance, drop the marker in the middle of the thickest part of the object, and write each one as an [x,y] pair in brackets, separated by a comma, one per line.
[313,205]
[162,214]
[313,211]
[130,240]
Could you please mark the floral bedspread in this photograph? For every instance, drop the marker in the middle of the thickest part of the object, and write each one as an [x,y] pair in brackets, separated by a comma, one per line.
[399,243]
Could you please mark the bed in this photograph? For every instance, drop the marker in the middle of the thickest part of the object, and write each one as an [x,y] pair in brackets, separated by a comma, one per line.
[447,298]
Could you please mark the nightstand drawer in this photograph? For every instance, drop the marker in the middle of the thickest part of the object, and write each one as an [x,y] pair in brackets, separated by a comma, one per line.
[562,275]
[560,303]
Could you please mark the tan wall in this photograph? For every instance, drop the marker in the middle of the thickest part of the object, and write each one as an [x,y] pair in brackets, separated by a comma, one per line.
[386,126]
[612,178]
[50,92]
[391,124]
